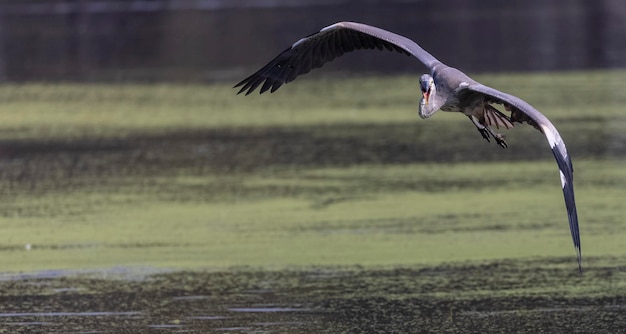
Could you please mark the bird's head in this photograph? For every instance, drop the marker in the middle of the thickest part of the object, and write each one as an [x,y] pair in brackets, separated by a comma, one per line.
[427,84]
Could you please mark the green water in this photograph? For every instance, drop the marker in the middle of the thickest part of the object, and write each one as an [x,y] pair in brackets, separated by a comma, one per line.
[404,224]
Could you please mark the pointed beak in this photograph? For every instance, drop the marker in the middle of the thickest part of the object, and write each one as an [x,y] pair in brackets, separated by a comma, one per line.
[426,95]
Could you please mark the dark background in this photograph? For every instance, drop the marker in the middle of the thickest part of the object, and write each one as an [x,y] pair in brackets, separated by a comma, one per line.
[208,40]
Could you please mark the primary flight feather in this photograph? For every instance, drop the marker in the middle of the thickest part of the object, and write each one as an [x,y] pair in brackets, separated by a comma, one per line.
[445,88]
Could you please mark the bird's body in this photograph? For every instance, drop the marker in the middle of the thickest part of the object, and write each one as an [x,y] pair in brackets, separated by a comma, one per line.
[444,88]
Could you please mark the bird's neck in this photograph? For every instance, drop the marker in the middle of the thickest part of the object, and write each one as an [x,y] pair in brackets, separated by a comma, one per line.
[435,101]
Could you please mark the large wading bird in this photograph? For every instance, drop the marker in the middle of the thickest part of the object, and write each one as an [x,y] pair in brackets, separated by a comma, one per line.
[445,88]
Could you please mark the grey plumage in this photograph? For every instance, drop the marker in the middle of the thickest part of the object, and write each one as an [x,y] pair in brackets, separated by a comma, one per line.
[445,88]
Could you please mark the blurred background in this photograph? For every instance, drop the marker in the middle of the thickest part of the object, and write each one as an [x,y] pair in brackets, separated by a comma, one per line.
[209,40]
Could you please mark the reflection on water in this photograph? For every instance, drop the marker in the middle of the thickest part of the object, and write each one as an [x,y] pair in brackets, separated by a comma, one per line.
[506,296]
[144,302]
[165,326]
[66,314]
[29,323]
[267,309]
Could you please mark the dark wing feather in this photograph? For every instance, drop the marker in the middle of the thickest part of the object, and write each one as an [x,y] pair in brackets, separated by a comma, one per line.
[524,112]
[322,47]
[493,117]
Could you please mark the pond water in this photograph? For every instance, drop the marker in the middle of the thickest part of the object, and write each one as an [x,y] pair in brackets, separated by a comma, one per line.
[52,219]
[507,296]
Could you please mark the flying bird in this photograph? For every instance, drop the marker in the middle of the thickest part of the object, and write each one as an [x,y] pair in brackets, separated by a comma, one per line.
[445,88]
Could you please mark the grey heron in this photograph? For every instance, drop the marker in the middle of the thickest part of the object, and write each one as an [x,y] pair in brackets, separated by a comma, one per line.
[445,88]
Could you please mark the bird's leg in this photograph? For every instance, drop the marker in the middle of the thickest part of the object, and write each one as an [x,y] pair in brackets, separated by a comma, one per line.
[481,128]
[485,131]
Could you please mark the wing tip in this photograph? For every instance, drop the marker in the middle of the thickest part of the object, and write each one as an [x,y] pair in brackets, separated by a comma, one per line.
[568,192]
[579,258]
[247,90]
[238,84]
[239,91]
[566,171]
[251,88]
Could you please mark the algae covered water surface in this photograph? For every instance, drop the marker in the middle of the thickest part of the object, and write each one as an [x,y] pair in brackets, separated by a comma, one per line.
[187,208]
[497,296]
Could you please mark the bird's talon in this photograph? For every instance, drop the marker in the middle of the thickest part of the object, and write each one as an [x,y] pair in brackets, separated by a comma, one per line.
[500,140]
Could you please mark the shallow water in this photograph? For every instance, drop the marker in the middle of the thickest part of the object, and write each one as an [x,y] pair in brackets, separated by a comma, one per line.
[508,296]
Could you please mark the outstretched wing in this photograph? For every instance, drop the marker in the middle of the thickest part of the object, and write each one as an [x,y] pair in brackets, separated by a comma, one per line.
[524,112]
[322,47]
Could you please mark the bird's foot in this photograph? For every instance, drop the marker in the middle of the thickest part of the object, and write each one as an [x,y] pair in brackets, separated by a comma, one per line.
[500,140]
[487,133]
[484,131]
